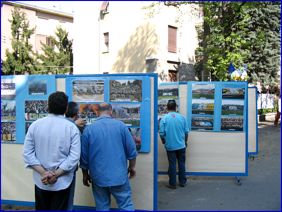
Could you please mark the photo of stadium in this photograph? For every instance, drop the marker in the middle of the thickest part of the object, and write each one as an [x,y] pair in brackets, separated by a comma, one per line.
[233,93]
[203,106]
[168,93]
[232,123]
[205,91]
[88,90]
[37,87]
[232,107]
[8,110]
[88,112]
[8,131]
[127,113]
[202,123]
[126,90]
[35,109]
[8,89]
[136,134]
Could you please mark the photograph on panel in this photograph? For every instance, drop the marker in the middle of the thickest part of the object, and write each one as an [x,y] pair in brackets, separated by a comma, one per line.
[88,90]
[127,113]
[136,135]
[37,87]
[8,110]
[27,125]
[232,107]
[35,109]
[8,89]
[88,112]
[125,90]
[164,94]
[203,91]
[235,123]
[8,131]
[233,93]
[202,123]
[203,106]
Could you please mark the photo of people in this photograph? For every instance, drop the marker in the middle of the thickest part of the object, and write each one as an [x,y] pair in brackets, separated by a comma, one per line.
[8,131]
[8,110]
[233,93]
[136,134]
[88,90]
[8,89]
[202,123]
[232,123]
[35,107]
[203,91]
[27,125]
[88,112]
[127,113]
[232,107]
[126,90]
[203,106]
[37,87]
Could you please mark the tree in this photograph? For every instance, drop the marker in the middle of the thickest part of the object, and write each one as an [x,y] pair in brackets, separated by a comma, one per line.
[57,57]
[20,59]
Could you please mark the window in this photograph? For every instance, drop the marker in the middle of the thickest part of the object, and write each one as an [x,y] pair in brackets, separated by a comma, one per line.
[172,39]
[106,42]
[42,39]
[104,7]
[173,68]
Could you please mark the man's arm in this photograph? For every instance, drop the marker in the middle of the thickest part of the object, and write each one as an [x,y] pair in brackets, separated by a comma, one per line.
[186,138]
[131,168]
[162,130]
[86,177]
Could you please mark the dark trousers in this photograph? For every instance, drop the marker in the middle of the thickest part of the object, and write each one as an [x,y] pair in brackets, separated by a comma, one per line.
[179,156]
[51,200]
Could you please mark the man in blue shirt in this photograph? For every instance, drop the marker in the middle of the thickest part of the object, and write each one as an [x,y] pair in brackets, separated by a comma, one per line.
[106,146]
[174,135]
[52,150]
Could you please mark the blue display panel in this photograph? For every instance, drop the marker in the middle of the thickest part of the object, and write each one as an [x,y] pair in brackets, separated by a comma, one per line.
[24,101]
[128,95]
[217,106]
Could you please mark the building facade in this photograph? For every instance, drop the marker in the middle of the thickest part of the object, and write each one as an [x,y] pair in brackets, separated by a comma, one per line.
[45,23]
[136,37]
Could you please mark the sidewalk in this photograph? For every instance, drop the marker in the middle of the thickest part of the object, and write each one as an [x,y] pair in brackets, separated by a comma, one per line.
[261,190]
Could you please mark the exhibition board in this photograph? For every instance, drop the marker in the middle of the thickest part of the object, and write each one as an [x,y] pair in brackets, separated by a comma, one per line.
[252,121]
[18,186]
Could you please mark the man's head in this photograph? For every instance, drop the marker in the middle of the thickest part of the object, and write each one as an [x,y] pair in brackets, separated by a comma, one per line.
[72,110]
[105,108]
[171,105]
[57,103]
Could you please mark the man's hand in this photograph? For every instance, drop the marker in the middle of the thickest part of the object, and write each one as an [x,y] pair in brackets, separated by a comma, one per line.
[132,173]
[86,179]
[80,122]
[48,177]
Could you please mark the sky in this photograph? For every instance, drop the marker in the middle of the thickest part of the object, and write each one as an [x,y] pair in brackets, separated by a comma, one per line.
[62,6]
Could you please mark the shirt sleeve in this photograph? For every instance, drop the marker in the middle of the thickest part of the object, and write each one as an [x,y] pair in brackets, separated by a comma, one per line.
[186,129]
[72,159]
[29,155]
[162,127]
[129,145]
[84,158]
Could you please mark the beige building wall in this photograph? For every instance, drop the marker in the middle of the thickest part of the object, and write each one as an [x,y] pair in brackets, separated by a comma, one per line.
[135,34]
[44,21]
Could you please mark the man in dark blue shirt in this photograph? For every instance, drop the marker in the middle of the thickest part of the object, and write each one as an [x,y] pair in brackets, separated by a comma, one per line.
[106,147]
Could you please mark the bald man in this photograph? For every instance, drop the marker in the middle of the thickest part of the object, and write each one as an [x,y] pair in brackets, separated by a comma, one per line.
[106,146]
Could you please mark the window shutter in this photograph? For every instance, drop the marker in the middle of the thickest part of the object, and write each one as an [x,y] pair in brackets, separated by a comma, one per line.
[172,39]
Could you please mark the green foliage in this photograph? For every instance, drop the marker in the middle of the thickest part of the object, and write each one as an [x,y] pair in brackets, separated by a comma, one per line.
[20,59]
[57,57]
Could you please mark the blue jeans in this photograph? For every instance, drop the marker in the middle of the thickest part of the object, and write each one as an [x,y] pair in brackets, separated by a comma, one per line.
[180,156]
[122,194]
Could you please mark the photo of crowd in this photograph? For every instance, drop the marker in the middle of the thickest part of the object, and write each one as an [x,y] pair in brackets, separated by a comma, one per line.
[127,113]
[203,106]
[8,131]
[27,124]
[126,90]
[88,90]
[35,109]
[205,91]
[8,89]
[8,110]
[136,134]
[233,93]
[88,112]
[232,123]
[232,107]
[202,123]
[37,87]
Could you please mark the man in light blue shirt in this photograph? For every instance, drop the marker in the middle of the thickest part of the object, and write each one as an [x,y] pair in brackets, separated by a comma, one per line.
[106,146]
[174,135]
[52,150]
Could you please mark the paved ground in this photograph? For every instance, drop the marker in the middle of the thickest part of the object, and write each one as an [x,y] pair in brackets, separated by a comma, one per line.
[260,191]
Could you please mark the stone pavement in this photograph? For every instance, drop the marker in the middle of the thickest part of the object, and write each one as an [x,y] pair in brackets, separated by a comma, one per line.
[260,191]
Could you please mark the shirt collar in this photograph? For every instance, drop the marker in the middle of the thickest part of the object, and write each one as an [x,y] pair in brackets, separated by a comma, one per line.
[103,117]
